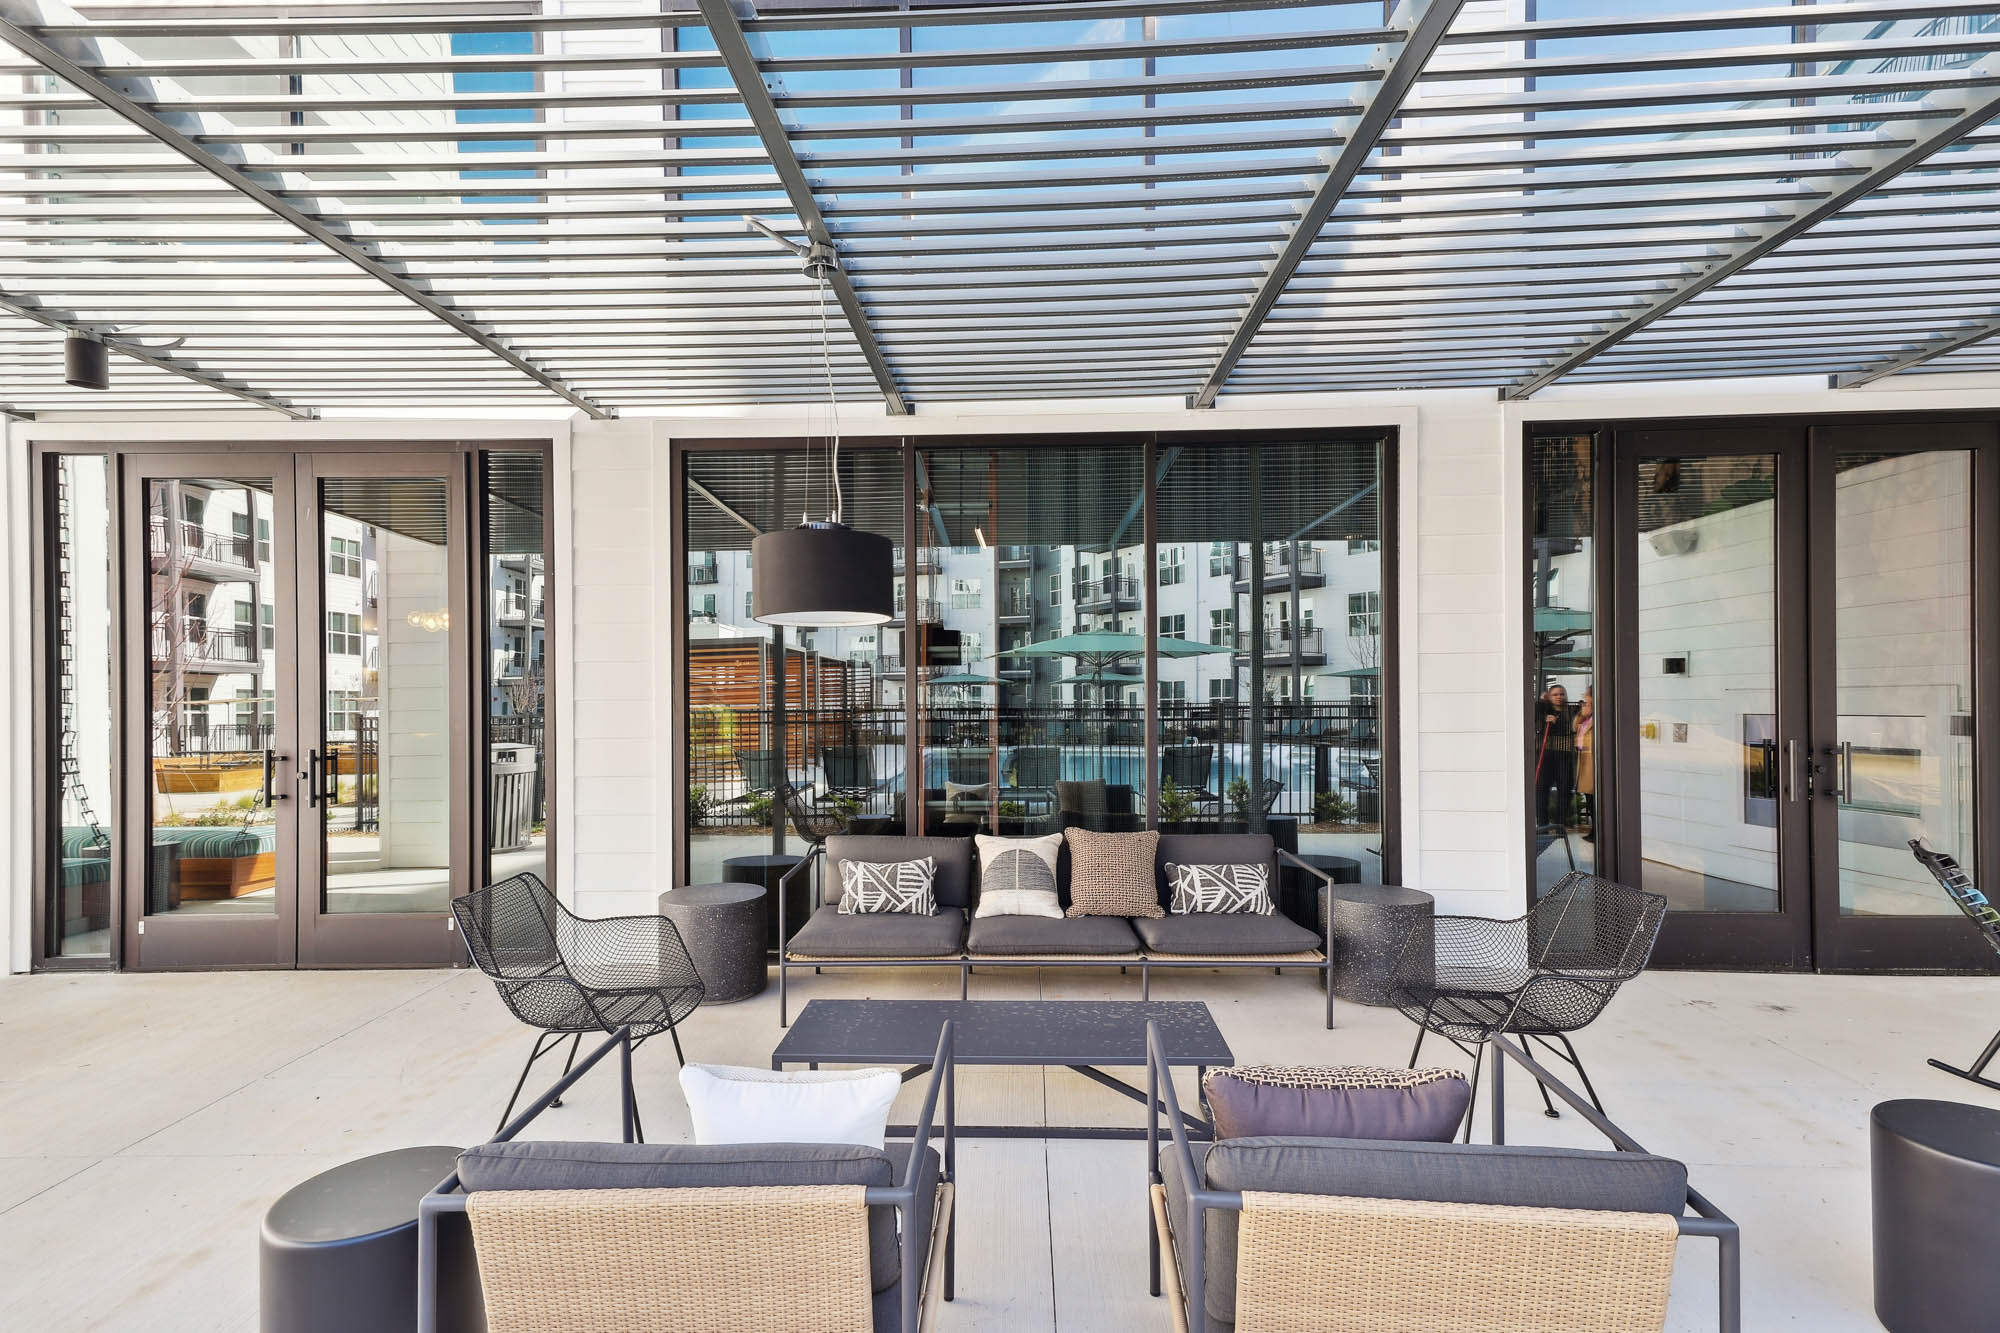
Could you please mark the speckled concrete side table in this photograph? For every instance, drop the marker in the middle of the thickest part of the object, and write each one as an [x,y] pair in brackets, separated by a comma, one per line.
[1367,928]
[723,928]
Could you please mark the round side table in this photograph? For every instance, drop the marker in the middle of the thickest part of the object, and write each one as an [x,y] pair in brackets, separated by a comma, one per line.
[339,1252]
[769,871]
[723,928]
[1367,928]
[1936,1185]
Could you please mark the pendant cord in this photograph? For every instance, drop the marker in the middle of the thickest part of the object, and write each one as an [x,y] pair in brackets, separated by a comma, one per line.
[832,403]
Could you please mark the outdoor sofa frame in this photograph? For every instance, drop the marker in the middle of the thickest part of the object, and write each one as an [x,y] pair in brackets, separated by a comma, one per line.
[1188,1282]
[925,1270]
[964,960]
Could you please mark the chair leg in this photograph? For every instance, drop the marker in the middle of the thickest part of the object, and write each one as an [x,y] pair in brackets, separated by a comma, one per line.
[1478,1058]
[522,1081]
[568,1064]
[1423,1028]
[674,1031]
[1581,1073]
[1977,1073]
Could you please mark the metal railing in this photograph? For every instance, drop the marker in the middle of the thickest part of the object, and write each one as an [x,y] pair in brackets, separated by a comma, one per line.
[927,561]
[1119,590]
[1278,563]
[928,611]
[1016,606]
[1314,750]
[1280,639]
[190,540]
[701,574]
[1016,555]
[200,641]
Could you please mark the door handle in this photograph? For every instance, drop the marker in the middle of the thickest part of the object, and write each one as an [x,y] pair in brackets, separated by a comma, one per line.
[271,795]
[1792,771]
[1843,767]
[308,772]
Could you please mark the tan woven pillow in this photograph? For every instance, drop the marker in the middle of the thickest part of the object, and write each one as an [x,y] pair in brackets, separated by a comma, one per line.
[1111,874]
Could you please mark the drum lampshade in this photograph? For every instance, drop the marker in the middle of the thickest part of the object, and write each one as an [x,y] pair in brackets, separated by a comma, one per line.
[821,574]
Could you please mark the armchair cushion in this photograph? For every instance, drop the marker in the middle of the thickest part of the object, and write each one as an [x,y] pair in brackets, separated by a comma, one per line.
[546,1165]
[1035,936]
[953,883]
[834,934]
[1525,1177]
[1342,1101]
[1225,934]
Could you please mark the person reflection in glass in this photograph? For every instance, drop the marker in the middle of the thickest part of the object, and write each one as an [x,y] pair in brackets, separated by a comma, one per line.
[1555,758]
[1586,764]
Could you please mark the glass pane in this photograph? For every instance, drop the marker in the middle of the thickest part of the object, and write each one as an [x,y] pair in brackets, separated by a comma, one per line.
[80,885]
[1033,547]
[385,574]
[1271,596]
[838,740]
[1707,684]
[1903,667]
[516,694]
[1562,808]
[211,590]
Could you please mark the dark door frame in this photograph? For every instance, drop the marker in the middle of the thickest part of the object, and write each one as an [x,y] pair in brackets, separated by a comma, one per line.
[124,458]
[1387,437]
[1824,941]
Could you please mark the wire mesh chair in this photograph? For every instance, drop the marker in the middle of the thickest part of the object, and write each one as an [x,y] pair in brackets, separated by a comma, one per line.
[1958,886]
[569,975]
[1539,977]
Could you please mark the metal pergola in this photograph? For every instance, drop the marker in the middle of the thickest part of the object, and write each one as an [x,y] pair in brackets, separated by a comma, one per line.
[443,206]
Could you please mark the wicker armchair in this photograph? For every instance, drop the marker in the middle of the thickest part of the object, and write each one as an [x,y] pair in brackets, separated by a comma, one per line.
[1958,886]
[576,1237]
[569,975]
[1540,977]
[1272,1235]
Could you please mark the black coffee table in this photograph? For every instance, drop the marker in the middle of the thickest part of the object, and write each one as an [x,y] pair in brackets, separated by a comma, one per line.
[1076,1034]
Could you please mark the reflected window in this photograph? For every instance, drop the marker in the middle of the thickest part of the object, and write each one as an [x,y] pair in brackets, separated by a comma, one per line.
[79,879]
[1564,758]
[516,569]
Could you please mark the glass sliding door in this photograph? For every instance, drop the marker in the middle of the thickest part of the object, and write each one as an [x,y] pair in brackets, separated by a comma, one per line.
[213,880]
[384,796]
[1029,550]
[1567,749]
[1712,731]
[1895,713]
[516,583]
[1272,601]
[81,578]
[818,713]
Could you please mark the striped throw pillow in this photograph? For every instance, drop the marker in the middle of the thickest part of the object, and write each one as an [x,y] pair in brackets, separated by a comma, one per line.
[1225,888]
[888,886]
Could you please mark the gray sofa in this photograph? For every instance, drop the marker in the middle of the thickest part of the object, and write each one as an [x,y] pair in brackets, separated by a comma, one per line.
[954,937]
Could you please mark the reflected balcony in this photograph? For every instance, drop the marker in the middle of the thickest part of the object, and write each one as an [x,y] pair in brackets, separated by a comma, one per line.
[192,551]
[1016,557]
[1016,608]
[1280,571]
[929,612]
[1283,645]
[1118,593]
[927,561]
[200,648]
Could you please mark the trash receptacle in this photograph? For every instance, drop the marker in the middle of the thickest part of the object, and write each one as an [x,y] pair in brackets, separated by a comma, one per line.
[511,773]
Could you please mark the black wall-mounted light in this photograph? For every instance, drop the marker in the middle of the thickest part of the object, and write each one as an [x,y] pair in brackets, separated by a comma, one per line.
[821,573]
[86,362]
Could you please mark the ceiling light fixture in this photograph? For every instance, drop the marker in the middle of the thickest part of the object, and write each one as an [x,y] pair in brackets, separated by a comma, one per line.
[86,361]
[821,573]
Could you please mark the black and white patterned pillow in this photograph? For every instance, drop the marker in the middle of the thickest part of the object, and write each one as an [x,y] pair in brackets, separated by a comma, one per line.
[1226,888]
[888,886]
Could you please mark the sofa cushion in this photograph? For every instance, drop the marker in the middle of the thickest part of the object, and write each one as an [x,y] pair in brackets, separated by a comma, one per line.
[1017,876]
[953,884]
[1337,1102]
[1212,849]
[1111,874]
[835,934]
[547,1165]
[888,886]
[1035,936]
[1241,887]
[1432,1172]
[1225,935]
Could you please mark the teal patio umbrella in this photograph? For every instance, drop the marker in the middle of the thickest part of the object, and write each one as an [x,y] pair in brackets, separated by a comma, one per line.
[1097,651]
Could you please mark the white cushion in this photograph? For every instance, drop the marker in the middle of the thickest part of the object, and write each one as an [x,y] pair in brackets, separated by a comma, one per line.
[1017,876]
[731,1104]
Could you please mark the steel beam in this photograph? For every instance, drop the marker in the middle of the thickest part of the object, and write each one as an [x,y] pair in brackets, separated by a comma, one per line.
[1964,336]
[748,76]
[1423,24]
[73,60]
[1972,107]
[30,309]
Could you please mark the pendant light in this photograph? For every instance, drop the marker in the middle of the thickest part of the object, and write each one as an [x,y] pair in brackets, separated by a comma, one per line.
[822,572]
[86,362]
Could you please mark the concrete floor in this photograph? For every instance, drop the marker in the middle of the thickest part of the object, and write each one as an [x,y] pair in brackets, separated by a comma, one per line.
[147,1121]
